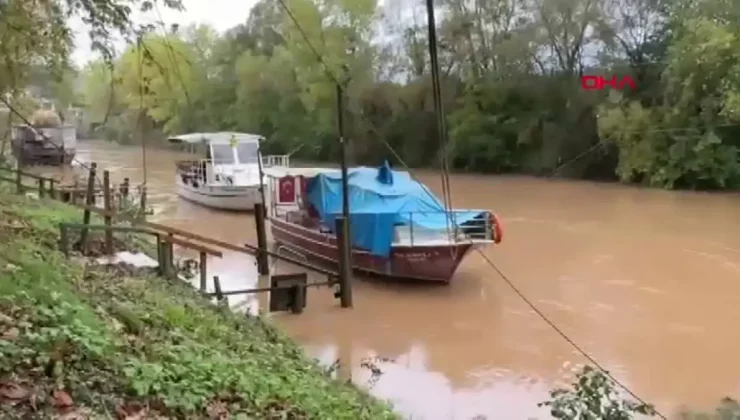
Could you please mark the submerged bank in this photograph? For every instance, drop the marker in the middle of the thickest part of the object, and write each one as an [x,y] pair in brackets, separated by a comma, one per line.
[119,341]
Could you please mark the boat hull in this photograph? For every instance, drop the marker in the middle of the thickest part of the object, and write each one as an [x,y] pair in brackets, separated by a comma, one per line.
[430,263]
[31,155]
[44,146]
[218,197]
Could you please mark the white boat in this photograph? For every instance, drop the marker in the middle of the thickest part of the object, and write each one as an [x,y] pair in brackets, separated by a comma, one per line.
[229,176]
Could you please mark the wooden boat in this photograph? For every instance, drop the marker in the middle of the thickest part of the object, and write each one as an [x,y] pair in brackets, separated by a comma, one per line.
[228,177]
[399,229]
[44,145]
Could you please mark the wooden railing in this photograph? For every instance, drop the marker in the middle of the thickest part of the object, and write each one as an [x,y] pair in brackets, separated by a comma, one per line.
[287,291]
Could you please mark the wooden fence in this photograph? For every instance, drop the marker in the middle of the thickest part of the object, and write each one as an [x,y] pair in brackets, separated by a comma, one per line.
[287,292]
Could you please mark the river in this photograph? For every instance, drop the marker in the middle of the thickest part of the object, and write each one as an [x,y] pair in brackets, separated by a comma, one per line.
[646,281]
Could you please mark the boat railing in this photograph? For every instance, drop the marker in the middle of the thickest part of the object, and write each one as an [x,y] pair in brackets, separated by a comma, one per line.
[275,160]
[199,168]
[414,232]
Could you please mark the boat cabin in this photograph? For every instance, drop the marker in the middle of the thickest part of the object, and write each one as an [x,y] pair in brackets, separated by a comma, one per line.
[231,159]
[287,191]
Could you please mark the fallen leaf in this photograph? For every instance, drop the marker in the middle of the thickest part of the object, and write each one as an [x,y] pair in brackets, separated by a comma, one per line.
[121,414]
[217,410]
[62,399]
[131,411]
[11,334]
[13,392]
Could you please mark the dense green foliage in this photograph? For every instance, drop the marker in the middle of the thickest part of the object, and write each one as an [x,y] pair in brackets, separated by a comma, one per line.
[511,69]
[97,341]
[36,41]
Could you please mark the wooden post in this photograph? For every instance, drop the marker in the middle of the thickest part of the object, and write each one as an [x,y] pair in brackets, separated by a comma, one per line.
[41,188]
[90,200]
[299,299]
[142,202]
[345,264]
[18,181]
[124,188]
[108,209]
[74,193]
[52,191]
[171,257]
[164,267]
[160,256]
[64,240]
[262,179]
[217,287]
[203,272]
[166,259]
[263,264]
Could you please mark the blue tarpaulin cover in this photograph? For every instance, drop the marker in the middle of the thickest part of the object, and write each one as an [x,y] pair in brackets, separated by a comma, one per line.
[379,199]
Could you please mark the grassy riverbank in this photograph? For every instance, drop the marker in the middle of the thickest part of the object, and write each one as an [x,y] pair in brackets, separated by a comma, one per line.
[119,342]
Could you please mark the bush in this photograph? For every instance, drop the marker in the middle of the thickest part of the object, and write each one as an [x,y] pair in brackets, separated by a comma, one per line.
[593,397]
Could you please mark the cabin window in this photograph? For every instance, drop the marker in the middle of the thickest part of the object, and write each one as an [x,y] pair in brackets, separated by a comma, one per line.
[222,154]
[247,152]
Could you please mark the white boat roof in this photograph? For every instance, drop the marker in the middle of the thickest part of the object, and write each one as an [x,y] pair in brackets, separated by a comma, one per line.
[282,171]
[220,137]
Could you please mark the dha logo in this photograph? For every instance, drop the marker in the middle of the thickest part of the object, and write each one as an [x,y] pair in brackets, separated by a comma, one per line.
[600,83]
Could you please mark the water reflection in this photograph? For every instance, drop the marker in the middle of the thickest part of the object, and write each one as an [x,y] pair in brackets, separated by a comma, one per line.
[409,383]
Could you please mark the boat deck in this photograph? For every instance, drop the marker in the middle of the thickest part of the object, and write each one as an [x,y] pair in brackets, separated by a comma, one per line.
[404,235]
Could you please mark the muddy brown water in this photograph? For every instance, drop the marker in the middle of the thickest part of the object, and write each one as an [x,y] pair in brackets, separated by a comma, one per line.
[646,281]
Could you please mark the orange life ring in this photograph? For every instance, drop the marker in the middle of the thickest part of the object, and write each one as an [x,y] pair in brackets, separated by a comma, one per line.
[496,228]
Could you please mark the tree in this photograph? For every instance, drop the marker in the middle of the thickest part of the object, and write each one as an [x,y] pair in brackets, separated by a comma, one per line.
[510,77]
[156,77]
[38,32]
